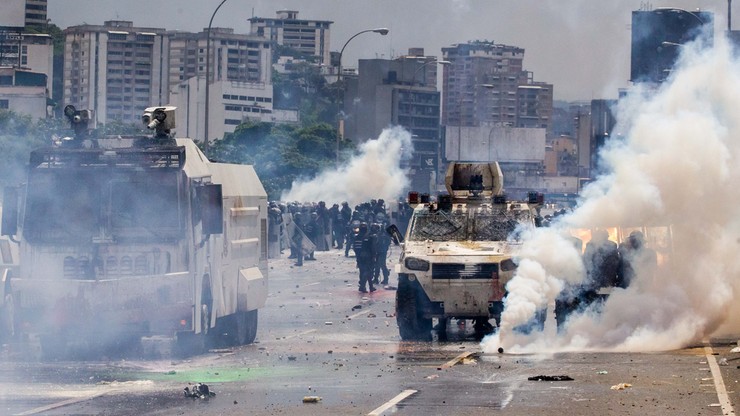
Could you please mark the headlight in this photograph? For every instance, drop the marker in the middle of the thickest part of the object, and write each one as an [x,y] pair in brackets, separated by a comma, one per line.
[508,265]
[413,263]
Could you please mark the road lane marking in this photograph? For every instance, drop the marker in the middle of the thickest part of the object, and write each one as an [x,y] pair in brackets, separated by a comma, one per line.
[392,402]
[62,404]
[719,384]
[456,360]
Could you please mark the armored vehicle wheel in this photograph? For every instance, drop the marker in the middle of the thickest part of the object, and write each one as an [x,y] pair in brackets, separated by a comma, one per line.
[412,325]
[245,330]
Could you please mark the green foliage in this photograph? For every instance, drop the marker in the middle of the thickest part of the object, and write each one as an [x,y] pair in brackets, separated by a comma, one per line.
[280,153]
[305,89]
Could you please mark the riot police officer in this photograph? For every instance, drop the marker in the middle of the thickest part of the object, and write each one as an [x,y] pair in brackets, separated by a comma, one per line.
[365,252]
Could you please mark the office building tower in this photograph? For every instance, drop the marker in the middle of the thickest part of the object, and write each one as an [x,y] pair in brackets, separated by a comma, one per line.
[309,37]
[116,69]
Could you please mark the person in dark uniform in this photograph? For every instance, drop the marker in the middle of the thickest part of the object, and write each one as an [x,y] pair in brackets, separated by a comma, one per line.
[383,242]
[337,227]
[364,247]
[602,262]
[296,238]
[312,231]
[635,257]
[352,230]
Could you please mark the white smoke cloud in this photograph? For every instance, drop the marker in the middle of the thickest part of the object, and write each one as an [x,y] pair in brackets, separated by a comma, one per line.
[372,174]
[677,162]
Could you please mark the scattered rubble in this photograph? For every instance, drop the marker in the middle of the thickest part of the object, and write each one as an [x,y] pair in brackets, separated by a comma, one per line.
[311,399]
[199,391]
[550,378]
[621,386]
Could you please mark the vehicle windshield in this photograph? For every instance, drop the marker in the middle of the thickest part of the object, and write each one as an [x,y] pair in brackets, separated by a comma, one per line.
[467,226]
[63,208]
[77,207]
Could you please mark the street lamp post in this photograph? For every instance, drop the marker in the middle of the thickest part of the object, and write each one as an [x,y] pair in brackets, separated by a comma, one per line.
[383,31]
[208,75]
[413,78]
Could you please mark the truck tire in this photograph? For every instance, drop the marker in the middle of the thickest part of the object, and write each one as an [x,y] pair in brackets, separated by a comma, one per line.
[246,327]
[412,325]
[239,328]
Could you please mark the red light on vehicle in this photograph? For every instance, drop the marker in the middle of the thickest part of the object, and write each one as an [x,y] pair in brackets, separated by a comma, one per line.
[413,197]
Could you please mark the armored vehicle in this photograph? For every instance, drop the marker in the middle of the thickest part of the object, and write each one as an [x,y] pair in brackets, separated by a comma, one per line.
[460,251]
[127,237]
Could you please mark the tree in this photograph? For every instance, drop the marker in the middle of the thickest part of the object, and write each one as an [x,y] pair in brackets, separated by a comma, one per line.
[280,153]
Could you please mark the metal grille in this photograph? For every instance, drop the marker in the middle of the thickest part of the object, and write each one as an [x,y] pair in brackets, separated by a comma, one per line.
[439,226]
[464,271]
[494,227]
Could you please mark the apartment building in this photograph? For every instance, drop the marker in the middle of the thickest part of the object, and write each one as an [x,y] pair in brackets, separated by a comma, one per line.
[486,83]
[116,69]
[310,37]
[18,14]
[241,81]
[399,92]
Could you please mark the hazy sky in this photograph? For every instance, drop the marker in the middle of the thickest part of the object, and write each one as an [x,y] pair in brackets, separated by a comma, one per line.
[580,46]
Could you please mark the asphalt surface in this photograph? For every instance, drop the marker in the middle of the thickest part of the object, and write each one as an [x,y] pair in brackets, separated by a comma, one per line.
[321,340]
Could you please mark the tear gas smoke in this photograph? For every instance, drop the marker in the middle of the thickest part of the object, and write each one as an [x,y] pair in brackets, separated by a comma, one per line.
[373,173]
[676,161]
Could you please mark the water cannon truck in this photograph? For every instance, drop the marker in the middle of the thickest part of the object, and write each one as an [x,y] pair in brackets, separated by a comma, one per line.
[128,238]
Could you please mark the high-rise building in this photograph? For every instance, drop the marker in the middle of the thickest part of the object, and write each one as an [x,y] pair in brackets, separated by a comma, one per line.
[657,36]
[36,13]
[234,57]
[486,83]
[116,69]
[17,14]
[398,92]
[241,81]
[310,37]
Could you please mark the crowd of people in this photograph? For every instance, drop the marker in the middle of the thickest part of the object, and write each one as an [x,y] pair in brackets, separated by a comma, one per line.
[304,228]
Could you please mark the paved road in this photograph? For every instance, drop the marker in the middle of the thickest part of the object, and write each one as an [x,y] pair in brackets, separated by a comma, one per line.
[319,337]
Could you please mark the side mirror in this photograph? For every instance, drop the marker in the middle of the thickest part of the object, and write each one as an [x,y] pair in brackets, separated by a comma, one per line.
[212,208]
[395,234]
[10,211]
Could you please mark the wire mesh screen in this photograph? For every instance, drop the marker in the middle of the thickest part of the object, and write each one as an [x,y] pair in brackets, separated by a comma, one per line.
[493,227]
[458,226]
[439,226]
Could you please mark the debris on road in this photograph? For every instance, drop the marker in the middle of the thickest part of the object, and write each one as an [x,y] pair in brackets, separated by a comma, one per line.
[602,372]
[199,391]
[311,399]
[621,386]
[432,377]
[550,378]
